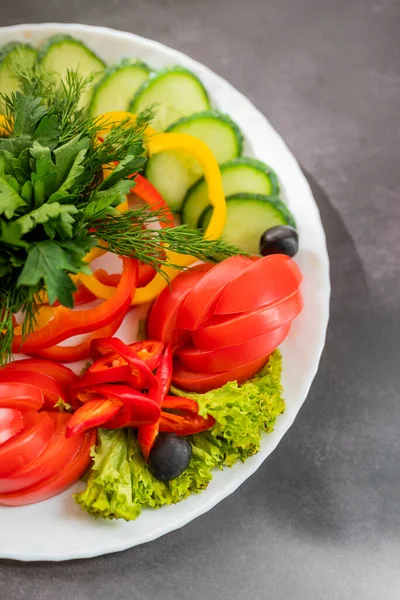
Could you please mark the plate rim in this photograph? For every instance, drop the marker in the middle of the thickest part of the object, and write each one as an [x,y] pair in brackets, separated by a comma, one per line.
[257,460]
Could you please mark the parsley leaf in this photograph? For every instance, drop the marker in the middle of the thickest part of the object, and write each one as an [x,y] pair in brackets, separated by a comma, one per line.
[10,200]
[48,262]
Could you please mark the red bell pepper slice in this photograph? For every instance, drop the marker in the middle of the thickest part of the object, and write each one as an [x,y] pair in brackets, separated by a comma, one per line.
[147,435]
[67,323]
[68,354]
[92,414]
[81,296]
[119,354]
[145,275]
[11,423]
[149,194]
[21,396]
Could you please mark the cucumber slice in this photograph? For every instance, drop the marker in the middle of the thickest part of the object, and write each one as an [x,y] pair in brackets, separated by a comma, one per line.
[240,175]
[117,86]
[216,129]
[175,92]
[172,173]
[62,53]
[11,55]
[248,216]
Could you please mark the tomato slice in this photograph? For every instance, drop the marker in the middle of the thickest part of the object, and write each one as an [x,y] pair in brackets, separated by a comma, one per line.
[199,303]
[232,357]
[162,318]
[204,382]
[27,445]
[264,282]
[58,482]
[21,396]
[63,375]
[11,423]
[224,331]
[58,453]
[51,389]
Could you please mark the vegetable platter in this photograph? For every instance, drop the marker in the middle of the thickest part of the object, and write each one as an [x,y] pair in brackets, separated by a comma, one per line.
[165,290]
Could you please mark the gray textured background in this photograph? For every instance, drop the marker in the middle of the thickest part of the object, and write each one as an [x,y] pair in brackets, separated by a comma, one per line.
[320,519]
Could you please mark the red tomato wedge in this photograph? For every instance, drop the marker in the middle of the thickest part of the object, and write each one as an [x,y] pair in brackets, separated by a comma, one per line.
[224,331]
[264,282]
[162,319]
[22,448]
[58,482]
[198,306]
[232,357]
[63,375]
[51,389]
[59,452]
[20,396]
[11,423]
[204,382]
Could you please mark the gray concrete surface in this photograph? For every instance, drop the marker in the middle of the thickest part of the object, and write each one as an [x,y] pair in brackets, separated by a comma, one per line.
[320,519]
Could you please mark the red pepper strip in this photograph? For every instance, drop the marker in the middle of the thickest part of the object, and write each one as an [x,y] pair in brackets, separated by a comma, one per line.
[147,435]
[67,323]
[138,409]
[148,193]
[122,374]
[141,374]
[67,354]
[108,278]
[92,414]
[150,351]
[181,404]
[184,424]
[81,296]
[146,274]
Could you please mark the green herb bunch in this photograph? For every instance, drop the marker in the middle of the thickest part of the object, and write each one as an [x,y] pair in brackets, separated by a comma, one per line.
[55,205]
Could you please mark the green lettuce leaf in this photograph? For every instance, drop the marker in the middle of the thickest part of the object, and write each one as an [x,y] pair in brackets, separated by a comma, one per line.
[242,412]
[120,485]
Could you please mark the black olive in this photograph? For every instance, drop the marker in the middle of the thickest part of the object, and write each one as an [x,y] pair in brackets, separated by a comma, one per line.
[281,239]
[169,457]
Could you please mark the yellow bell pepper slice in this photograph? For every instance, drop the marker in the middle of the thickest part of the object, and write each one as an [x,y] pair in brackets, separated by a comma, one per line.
[3,130]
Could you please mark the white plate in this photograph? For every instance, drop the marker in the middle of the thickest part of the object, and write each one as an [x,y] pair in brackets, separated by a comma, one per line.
[57,529]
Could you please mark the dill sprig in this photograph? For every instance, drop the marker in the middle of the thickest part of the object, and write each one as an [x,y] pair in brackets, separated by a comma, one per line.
[124,235]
